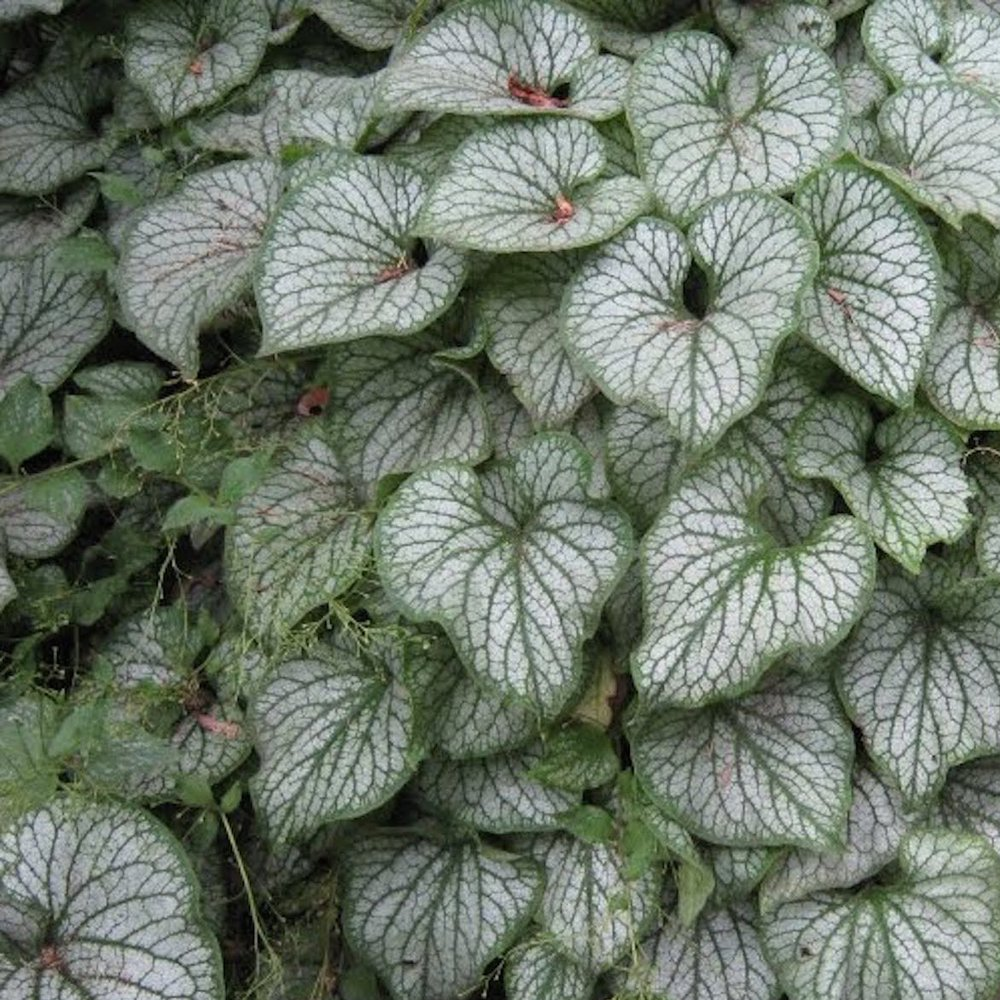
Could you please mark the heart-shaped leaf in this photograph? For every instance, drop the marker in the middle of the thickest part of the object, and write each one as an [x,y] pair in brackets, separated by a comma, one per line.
[496,794]
[518,310]
[39,516]
[187,54]
[429,916]
[100,900]
[540,969]
[912,495]
[341,260]
[723,599]
[970,799]
[963,362]
[190,256]
[336,738]
[371,24]
[874,302]
[507,57]
[701,132]
[771,768]
[530,185]
[944,144]
[719,958]
[398,407]
[876,825]
[592,909]
[300,537]
[46,134]
[514,563]
[49,320]
[935,928]
[921,675]
[702,367]
[917,41]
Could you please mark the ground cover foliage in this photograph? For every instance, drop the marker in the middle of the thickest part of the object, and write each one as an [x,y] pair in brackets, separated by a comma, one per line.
[499,498]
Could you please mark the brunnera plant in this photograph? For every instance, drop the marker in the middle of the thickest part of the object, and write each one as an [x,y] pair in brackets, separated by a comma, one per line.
[500,498]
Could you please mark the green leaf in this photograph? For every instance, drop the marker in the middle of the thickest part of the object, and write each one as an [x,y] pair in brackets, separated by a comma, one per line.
[26,424]
[591,909]
[625,319]
[336,738]
[963,362]
[579,756]
[515,564]
[190,256]
[530,185]
[918,41]
[300,537]
[100,897]
[720,958]
[593,825]
[517,309]
[876,825]
[507,57]
[921,675]
[48,320]
[40,515]
[539,969]
[497,794]
[771,768]
[913,494]
[88,252]
[702,131]
[874,302]
[935,928]
[370,24]
[944,147]
[970,799]
[429,916]
[47,136]
[398,406]
[724,599]
[187,54]
[341,260]
[30,225]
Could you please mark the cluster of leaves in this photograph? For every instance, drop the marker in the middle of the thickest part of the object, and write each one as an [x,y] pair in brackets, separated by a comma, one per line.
[500,495]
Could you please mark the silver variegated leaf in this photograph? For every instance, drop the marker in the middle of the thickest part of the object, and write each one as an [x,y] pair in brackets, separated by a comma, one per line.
[627,324]
[187,54]
[921,675]
[40,515]
[876,825]
[336,738]
[495,794]
[30,225]
[49,319]
[189,257]
[919,41]
[341,260]
[593,911]
[398,407]
[737,871]
[970,799]
[540,969]
[99,900]
[934,929]
[724,599]
[299,539]
[506,57]
[46,136]
[428,916]
[518,310]
[772,768]
[530,185]
[371,24]
[515,564]
[913,495]
[702,131]
[874,302]
[944,144]
[719,958]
